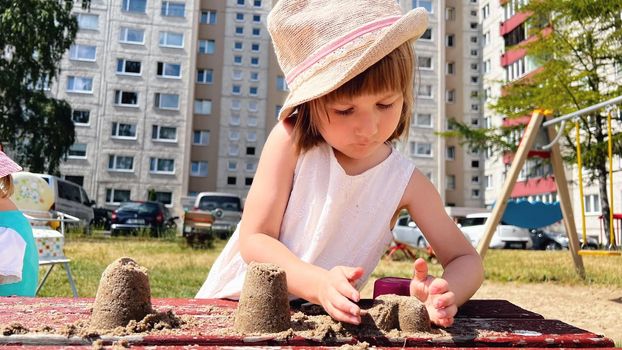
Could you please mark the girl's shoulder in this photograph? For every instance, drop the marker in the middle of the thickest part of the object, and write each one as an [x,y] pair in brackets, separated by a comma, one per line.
[7,205]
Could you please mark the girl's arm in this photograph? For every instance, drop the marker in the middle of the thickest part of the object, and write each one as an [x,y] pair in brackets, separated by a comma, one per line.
[260,226]
[463,271]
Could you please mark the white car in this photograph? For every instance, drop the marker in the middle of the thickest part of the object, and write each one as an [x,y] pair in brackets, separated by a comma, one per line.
[506,236]
[407,232]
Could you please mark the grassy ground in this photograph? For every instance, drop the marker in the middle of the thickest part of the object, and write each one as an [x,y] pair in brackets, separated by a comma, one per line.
[176,270]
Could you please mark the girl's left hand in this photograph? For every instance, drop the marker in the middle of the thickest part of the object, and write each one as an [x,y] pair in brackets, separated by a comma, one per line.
[434,293]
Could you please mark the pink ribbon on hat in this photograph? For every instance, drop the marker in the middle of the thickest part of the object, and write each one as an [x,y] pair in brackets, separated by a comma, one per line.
[311,60]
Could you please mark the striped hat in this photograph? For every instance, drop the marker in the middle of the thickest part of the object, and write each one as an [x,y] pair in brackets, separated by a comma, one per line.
[7,165]
[321,44]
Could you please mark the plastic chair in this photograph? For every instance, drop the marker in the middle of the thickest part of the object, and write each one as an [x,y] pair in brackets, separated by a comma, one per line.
[50,242]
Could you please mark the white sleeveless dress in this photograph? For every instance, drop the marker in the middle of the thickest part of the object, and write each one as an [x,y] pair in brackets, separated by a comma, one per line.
[331,218]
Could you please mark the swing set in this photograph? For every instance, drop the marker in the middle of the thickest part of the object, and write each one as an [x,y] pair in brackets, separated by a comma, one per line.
[536,123]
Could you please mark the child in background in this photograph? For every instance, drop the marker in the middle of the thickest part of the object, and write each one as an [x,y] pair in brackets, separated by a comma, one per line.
[330,185]
[19,260]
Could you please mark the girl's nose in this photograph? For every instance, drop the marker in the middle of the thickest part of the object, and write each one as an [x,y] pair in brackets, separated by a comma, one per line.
[367,124]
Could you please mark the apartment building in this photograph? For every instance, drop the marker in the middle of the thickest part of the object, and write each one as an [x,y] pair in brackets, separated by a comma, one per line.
[171,98]
[503,63]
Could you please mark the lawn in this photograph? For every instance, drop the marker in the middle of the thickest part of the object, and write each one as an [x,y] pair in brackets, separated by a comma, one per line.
[178,271]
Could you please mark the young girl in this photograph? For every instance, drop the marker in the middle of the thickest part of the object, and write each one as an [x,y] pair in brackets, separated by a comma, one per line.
[329,184]
[19,260]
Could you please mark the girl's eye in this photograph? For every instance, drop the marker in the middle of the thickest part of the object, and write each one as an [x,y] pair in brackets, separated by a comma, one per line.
[385,106]
[344,112]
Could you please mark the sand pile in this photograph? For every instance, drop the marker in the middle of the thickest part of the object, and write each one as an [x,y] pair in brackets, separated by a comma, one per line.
[123,295]
[263,305]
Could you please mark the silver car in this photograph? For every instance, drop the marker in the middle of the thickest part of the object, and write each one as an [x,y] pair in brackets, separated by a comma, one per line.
[407,232]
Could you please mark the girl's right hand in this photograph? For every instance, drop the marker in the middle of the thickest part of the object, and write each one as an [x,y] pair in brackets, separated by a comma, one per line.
[337,295]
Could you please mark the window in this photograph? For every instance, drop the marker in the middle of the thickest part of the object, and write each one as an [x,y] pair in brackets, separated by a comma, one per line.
[473,39]
[252,106]
[236,89]
[257,3]
[198,168]
[254,76]
[203,106]
[487,66]
[427,35]
[207,46]
[473,25]
[475,107]
[132,35]
[248,181]
[426,4]
[487,38]
[488,181]
[474,193]
[425,91]
[161,165]
[451,68]
[251,120]
[123,131]
[485,11]
[200,137]
[240,2]
[80,52]
[173,9]
[169,70]
[255,47]
[475,179]
[128,67]
[172,39]
[239,17]
[234,149]
[252,91]
[424,62]
[474,52]
[134,6]
[256,31]
[450,153]
[450,13]
[251,136]
[80,84]
[449,40]
[421,149]
[120,163]
[474,79]
[450,96]
[423,120]
[237,74]
[592,203]
[256,18]
[166,101]
[234,135]
[231,180]
[232,165]
[450,182]
[165,198]
[77,151]
[254,61]
[78,180]
[205,76]
[88,21]
[80,117]
[163,133]
[238,46]
[208,17]
[116,196]
[237,59]
[236,104]
[126,98]
[475,164]
[239,30]
[234,119]
[474,94]
[250,151]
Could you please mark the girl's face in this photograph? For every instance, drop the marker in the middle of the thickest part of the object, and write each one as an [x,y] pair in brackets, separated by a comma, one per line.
[357,127]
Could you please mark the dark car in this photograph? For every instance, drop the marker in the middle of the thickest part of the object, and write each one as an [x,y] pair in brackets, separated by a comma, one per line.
[102,218]
[133,217]
[543,240]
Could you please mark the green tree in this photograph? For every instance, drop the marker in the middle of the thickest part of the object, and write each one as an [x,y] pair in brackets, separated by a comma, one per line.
[34,35]
[577,46]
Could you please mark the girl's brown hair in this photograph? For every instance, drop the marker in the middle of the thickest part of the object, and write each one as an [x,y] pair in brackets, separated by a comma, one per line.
[6,186]
[394,72]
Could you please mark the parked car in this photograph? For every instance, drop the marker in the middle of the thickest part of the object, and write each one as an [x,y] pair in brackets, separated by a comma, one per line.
[545,240]
[213,213]
[102,218]
[71,198]
[407,232]
[134,216]
[506,236]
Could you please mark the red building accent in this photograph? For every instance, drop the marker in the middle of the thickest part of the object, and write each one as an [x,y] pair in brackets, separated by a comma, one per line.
[534,186]
[513,22]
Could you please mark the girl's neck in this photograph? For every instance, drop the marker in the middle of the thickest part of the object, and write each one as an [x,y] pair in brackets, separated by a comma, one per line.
[6,204]
[353,167]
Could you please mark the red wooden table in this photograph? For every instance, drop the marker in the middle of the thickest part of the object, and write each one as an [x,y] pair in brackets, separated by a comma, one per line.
[479,323]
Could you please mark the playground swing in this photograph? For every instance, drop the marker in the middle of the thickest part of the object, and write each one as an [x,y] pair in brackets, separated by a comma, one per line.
[611,249]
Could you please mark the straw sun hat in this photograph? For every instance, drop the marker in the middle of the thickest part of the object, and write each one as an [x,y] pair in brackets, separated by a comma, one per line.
[7,165]
[321,44]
